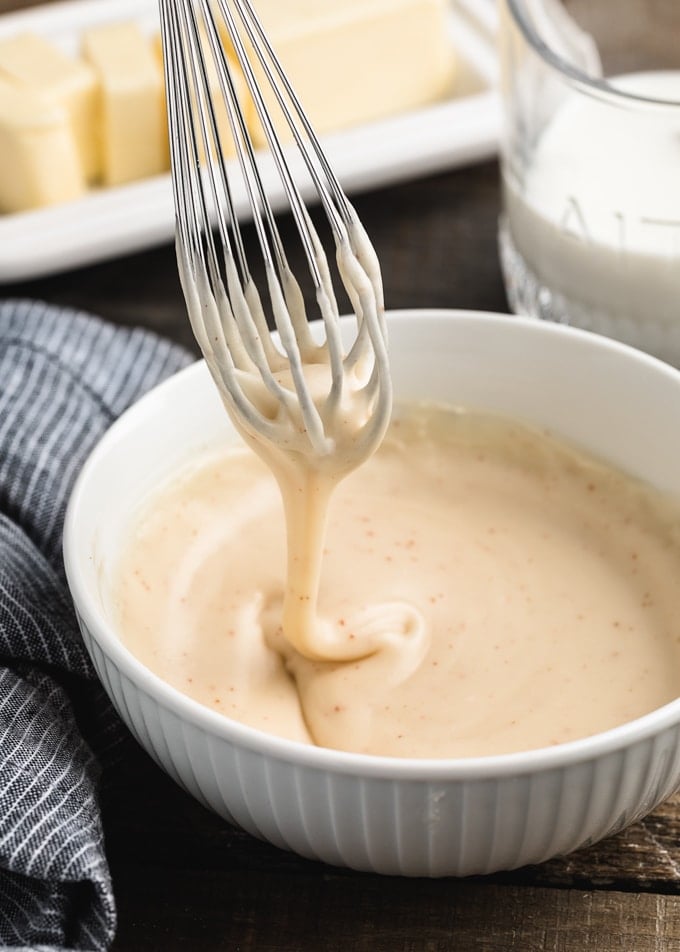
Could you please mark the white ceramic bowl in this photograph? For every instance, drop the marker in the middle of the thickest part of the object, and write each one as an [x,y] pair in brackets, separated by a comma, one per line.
[396,816]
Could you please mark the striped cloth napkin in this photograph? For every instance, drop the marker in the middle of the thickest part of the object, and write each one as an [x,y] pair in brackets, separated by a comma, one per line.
[64,377]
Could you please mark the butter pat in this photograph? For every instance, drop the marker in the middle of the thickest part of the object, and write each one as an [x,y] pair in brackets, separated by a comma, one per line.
[353,61]
[39,67]
[39,161]
[131,112]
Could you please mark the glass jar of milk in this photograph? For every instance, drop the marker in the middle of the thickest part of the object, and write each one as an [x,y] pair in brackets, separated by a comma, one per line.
[590,159]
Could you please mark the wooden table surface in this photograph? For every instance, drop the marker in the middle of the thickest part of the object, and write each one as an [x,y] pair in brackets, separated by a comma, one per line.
[184,879]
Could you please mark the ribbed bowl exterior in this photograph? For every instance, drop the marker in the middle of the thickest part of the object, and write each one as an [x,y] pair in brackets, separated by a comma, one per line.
[399,826]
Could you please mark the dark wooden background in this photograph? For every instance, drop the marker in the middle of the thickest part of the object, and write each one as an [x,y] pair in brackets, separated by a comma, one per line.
[184,880]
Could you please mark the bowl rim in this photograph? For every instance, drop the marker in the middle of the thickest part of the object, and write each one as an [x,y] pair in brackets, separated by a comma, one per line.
[259,742]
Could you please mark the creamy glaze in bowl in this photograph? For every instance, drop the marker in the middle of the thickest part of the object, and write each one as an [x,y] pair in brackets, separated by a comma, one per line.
[394,815]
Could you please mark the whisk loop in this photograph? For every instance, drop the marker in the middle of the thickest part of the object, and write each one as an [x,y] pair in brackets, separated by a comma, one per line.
[266,387]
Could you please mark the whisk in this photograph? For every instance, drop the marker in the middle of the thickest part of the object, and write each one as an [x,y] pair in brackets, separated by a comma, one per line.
[225,307]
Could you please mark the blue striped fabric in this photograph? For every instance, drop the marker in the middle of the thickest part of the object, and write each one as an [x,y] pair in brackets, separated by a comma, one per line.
[64,377]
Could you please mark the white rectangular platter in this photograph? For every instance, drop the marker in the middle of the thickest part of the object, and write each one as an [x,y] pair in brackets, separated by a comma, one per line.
[117,221]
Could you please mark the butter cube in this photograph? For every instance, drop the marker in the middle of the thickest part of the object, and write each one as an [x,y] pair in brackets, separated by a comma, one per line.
[131,113]
[34,63]
[354,61]
[39,161]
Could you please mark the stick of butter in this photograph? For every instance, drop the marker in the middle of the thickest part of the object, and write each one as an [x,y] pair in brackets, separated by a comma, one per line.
[131,123]
[34,63]
[39,160]
[353,61]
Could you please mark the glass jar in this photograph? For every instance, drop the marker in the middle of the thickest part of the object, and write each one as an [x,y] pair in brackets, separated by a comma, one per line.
[590,162]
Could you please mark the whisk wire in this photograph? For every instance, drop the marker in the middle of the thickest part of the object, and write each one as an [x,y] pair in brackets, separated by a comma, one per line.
[221,349]
[297,206]
[342,206]
[226,309]
[283,288]
[203,134]
[295,337]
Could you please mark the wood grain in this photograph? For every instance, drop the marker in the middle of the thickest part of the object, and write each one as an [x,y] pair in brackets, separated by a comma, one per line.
[256,911]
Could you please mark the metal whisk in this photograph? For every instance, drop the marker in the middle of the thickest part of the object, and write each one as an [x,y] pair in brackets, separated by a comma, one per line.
[226,310]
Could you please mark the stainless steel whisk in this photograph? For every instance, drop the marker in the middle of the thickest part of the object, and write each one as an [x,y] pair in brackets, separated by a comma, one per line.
[225,307]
